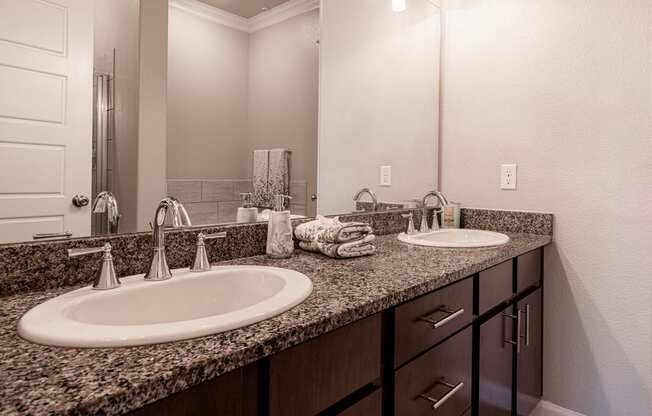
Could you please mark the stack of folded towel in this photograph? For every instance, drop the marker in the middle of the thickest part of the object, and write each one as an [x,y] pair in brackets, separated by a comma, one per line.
[336,239]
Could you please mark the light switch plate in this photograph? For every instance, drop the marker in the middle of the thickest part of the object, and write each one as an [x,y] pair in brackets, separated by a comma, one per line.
[508,177]
[385,176]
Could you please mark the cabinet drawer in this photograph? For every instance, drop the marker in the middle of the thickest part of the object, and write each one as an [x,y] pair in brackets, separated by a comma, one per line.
[437,374]
[310,377]
[495,286]
[423,322]
[529,269]
[369,406]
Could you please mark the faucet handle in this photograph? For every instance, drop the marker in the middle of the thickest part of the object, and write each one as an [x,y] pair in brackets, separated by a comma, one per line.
[424,221]
[201,263]
[410,226]
[106,278]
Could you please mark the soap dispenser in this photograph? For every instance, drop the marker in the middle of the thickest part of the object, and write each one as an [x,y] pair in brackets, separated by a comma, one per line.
[247,212]
[280,244]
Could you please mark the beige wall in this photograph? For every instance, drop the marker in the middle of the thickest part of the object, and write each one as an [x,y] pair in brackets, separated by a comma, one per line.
[284,93]
[116,26]
[563,89]
[379,100]
[152,123]
[208,66]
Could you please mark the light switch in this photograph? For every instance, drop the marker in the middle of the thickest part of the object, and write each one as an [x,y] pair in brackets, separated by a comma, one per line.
[508,177]
[385,176]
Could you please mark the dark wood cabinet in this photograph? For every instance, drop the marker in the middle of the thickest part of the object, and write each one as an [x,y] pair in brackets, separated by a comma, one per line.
[425,321]
[495,286]
[529,270]
[529,360]
[495,364]
[441,377]
[308,378]
[233,394]
[509,351]
[369,406]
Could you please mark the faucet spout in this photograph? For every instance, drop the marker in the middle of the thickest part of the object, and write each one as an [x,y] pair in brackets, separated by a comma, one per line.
[159,269]
[443,201]
[105,202]
[369,192]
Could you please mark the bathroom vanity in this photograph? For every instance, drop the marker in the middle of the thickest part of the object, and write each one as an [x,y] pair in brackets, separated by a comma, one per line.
[395,333]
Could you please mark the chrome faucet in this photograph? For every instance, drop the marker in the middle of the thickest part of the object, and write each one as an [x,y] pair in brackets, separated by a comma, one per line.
[159,269]
[424,220]
[105,202]
[369,192]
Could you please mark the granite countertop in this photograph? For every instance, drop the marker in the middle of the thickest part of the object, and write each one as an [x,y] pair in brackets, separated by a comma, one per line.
[38,380]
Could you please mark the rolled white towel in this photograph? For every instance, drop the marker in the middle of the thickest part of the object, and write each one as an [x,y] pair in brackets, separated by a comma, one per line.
[331,231]
[357,248]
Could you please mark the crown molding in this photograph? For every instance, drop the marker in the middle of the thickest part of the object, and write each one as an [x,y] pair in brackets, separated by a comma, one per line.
[280,13]
[271,17]
[211,13]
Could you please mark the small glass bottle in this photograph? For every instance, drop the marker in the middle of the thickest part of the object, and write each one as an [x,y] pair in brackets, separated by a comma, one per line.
[450,216]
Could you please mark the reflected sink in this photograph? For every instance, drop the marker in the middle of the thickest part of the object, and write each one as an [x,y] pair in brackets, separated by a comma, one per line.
[456,238]
[187,306]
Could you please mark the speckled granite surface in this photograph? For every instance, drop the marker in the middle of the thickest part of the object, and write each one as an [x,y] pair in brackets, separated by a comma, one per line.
[508,221]
[45,380]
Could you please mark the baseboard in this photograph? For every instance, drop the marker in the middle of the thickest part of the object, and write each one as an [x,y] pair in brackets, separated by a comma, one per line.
[545,408]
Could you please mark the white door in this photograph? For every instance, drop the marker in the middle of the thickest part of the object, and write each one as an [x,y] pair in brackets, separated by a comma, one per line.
[46,61]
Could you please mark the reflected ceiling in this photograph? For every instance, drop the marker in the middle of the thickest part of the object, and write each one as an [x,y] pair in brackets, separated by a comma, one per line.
[246,9]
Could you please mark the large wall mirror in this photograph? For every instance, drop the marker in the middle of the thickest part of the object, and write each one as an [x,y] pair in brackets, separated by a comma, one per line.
[220,104]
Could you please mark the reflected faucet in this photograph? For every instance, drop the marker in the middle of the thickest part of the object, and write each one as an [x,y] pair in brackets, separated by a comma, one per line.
[435,223]
[159,269]
[369,192]
[105,202]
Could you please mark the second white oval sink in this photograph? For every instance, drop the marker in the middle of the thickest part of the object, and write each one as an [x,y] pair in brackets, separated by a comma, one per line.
[187,306]
[456,238]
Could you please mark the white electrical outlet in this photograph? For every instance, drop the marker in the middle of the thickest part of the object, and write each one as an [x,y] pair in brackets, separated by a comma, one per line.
[508,176]
[385,176]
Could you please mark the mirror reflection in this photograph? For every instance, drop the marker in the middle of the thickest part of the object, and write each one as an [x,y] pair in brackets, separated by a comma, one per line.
[220,105]
[242,108]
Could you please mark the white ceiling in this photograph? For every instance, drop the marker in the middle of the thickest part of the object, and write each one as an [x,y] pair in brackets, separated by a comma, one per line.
[244,8]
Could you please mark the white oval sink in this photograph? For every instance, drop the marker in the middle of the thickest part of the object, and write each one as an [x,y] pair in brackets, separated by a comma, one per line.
[187,306]
[456,237]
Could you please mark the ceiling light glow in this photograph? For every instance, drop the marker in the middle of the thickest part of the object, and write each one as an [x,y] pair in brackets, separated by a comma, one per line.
[398,5]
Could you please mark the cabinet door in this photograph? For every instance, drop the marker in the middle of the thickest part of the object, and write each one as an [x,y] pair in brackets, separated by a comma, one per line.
[369,406]
[308,378]
[233,394]
[529,362]
[495,371]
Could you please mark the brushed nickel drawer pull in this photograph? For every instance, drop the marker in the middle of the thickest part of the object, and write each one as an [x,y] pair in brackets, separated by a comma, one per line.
[438,324]
[436,403]
[43,236]
[517,318]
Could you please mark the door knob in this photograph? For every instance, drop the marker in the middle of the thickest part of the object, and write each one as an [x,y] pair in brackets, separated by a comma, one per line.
[313,197]
[80,200]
